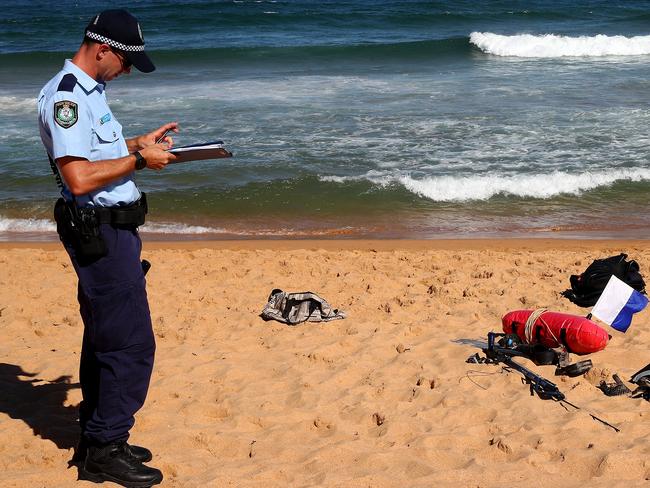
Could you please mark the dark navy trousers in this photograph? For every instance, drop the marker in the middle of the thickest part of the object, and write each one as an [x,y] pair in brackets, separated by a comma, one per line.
[118,344]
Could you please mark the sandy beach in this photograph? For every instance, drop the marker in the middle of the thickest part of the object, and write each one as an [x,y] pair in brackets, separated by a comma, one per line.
[383,398]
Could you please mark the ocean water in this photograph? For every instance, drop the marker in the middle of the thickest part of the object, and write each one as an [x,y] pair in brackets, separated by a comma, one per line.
[400,119]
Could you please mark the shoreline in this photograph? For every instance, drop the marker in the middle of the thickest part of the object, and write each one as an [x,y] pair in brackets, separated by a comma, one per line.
[506,244]
[390,226]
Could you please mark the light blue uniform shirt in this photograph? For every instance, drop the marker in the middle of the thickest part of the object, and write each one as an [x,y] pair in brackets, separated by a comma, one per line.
[88,131]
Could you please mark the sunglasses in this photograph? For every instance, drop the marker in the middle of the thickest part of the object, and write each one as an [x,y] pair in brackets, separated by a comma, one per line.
[126,64]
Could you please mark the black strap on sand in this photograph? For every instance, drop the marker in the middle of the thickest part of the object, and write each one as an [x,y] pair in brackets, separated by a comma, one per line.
[563,339]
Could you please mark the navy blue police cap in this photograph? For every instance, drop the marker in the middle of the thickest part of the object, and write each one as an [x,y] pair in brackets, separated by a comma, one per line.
[120,30]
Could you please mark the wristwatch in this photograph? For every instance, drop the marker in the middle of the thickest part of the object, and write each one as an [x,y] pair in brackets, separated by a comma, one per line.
[140,162]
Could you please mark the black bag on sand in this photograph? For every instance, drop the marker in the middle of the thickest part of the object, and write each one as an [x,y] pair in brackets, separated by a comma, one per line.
[587,287]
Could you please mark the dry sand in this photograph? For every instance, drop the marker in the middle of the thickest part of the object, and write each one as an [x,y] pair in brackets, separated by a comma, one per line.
[383,398]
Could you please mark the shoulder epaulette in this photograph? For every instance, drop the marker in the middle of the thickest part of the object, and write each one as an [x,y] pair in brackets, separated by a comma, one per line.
[67,83]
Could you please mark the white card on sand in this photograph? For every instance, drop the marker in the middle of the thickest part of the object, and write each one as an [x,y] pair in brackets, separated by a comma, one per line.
[197,152]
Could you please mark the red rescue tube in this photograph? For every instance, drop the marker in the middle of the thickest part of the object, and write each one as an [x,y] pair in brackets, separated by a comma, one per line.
[553,329]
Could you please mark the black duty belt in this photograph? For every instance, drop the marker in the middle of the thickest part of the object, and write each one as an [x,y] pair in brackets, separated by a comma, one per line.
[130,215]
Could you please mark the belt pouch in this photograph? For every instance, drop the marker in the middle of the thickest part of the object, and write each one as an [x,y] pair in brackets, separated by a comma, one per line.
[133,216]
[80,226]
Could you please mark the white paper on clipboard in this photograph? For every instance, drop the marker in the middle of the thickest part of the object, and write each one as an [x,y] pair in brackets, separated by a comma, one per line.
[197,152]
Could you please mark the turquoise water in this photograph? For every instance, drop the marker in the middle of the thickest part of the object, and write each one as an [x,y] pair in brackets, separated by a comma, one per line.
[361,119]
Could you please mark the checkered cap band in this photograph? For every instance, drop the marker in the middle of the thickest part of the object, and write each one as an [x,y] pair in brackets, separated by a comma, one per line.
[112,43]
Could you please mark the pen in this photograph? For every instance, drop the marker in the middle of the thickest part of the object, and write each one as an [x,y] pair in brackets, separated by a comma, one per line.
[162,138]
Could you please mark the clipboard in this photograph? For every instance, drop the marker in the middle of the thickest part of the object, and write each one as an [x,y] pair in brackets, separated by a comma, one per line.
[198,152]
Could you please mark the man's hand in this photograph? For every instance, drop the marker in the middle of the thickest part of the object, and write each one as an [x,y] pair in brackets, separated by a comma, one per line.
[157,157]
[146,140]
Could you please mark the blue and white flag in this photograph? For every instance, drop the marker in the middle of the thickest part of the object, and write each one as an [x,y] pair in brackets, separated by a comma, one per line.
[617,304]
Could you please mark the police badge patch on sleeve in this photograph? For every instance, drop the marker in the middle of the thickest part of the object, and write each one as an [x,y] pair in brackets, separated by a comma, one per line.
[65,113]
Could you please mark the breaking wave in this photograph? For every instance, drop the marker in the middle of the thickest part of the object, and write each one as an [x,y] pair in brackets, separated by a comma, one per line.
[479,187]
[26,225]
[554,46]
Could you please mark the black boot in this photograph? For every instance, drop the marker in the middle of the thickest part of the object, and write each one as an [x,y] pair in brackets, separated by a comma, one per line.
[142,454]
[114,462]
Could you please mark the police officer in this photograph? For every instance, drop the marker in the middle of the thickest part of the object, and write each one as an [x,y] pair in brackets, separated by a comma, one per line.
[97,219]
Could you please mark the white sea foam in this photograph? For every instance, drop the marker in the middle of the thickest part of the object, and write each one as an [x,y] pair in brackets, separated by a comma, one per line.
[12,105]
[31,226]
[174,228]
[26,225]
[448,189]
[380,178]
[553,46]
[466,188]
[44,230]
[282,90]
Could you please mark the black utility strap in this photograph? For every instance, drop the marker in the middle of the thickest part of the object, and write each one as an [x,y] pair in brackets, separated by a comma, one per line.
[57,175]
[66,84]
[563,339]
